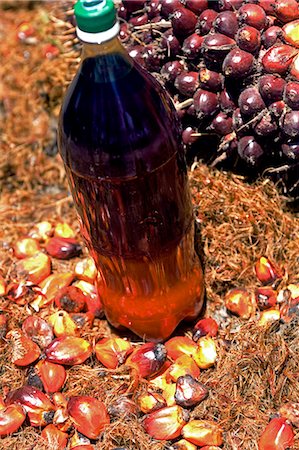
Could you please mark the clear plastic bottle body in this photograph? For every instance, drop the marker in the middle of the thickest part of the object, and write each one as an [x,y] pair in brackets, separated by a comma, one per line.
[119,139]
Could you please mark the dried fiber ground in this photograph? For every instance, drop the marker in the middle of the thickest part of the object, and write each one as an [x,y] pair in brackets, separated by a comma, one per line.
[257,369]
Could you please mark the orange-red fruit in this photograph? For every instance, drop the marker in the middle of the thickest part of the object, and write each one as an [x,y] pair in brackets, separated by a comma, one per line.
[63,324]
[182,444]
[52,375]
[240,302]
[3,287]
[278,58]
[26,247]
[203,432]
[180,345]
[286,10]
[71,299]
[49,288]
[206,353]
[112,352]
[24,350]
[290,411]
[189,392]
[166,423]
[39,408]
[268,316]
[54,437]
[168,394]
[265,297]
[149,402]
[38,330]
[266,271]
[278,435]
[89,415]
[93,301]
[203,327]
[63,248]
[147,359]
[86,270]
[11,418]
[294,70]
[291,33]
[183,365]
[34,268]
[3,325]
[78,441]
[68,350]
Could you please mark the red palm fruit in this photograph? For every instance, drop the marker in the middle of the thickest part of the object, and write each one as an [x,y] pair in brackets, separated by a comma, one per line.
[294,68]
[265,297]
[189,391]
[68,350]
[203,432]
[197,6]
[112,352]
[54,437]
[291,33]
[271,36]
[286,10]
[266,271]
[49,288]
[183,22]
[38,330]
[180,345]
[278,435]
[89,415]
[71,299]
[11,418]
[93,301]
[35,268]
[226,23]
[206,20]
[166,423]
[290,411]
[238,63]
[39,408]
[63,248]
[182,444]
[240,302]
[204,327]
[3,325]
[147,359]
[183,365]
[52,375]
[86,270]
[277,59]
[253,15]
[248,39]
[24,350]
[206,353]
[271,87]
[26,247]
[150,401]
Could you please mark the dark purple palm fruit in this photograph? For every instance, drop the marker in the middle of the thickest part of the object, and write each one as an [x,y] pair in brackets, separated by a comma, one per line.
[252,15]
[169,6]
[291,94]
[154,8]
[250,150]
[226,23]
[122,11]
[188,136]
[124,33]
[291,150]
[271,36]
[192,46]
[227,104]
[206,20]
[277,109]
[140,19]
[183,22]
[152,57]
[170,44]
[136,52]
[248,39]
[196,6]
[290,124]
[187,83]
[222,124]
[229,5]
[240,126]
[271,88]
[206,103]
[172,69]
[133,5]
[267,5]
[250,102]
[265,126]
[216,46]
[238,64]
[210,80]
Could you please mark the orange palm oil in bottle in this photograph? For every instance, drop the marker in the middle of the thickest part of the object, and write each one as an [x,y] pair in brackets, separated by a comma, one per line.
[119,138]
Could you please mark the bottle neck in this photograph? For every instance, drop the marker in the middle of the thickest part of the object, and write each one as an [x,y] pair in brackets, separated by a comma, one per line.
[104,48]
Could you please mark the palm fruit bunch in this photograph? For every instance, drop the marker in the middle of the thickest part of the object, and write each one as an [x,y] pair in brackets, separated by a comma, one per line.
[232,68]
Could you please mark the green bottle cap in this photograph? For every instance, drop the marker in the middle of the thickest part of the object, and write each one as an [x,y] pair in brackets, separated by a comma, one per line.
[95,16]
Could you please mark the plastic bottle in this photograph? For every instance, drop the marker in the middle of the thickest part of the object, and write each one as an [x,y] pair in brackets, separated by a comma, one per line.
[119,138]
